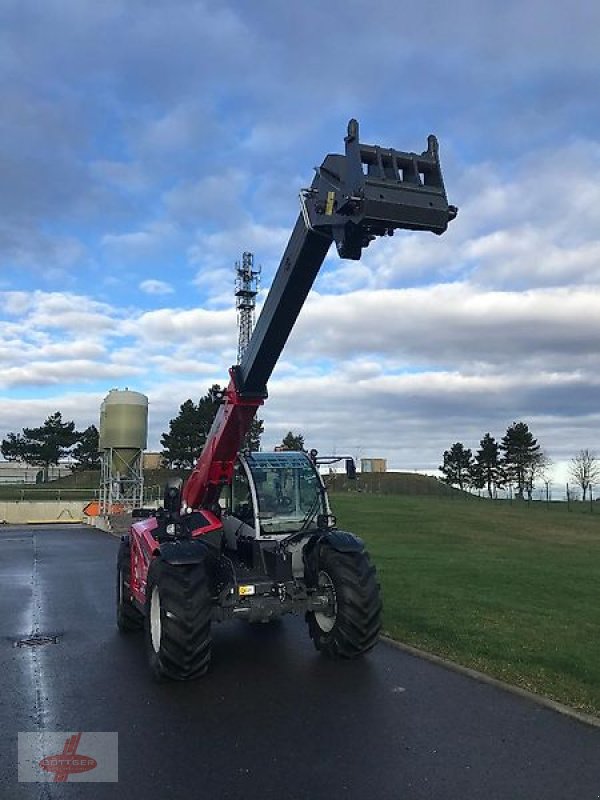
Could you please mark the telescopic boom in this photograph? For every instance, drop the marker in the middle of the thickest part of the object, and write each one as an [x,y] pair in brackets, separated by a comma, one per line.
[369,191]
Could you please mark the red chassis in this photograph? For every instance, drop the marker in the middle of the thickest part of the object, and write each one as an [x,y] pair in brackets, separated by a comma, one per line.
[144,547]
[213,469]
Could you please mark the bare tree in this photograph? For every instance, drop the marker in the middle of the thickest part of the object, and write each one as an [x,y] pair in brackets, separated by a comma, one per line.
[585,470]
[540,469]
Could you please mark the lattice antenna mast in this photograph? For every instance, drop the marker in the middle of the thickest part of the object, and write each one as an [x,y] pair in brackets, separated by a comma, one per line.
[247,281]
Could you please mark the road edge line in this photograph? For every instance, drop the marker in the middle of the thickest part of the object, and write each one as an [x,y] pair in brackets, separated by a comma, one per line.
[482,677]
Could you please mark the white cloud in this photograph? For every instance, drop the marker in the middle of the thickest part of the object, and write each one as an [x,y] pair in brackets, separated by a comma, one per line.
[136,245]
[152,286]
[73,371]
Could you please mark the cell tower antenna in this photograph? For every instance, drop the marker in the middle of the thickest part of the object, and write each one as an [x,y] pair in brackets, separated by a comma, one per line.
[247,281]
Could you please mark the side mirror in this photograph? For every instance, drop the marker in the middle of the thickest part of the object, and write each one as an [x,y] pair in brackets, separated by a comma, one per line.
[350,469]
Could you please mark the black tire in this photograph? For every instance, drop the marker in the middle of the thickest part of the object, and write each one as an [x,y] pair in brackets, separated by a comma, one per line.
[178,617]
[353,627]
[129,617]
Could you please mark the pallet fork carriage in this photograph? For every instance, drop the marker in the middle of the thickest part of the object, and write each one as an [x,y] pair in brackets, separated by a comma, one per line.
[251,535]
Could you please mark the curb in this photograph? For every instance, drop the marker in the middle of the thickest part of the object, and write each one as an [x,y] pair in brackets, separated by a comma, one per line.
[538,699]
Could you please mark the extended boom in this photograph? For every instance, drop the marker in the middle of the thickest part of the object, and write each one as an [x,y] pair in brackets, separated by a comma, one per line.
[354,198]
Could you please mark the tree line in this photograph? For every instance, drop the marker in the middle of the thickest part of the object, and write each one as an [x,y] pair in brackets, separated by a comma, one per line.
[56,439]
[51,442]
[516,460]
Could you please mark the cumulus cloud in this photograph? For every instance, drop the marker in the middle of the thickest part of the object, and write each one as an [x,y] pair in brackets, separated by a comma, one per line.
[457,323]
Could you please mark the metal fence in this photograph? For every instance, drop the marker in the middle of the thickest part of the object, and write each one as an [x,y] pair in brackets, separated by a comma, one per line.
[20,493]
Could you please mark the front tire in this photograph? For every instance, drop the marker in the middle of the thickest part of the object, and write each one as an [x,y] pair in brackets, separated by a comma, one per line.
[178,618]
[129,617]
[351,626]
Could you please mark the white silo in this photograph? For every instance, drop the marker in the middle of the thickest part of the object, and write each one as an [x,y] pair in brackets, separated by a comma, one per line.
[123,439]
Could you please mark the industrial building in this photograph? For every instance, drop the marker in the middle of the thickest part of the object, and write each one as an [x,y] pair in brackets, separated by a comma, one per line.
[373,465]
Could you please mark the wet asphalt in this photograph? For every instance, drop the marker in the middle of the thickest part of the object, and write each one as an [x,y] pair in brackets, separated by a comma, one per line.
[273,719]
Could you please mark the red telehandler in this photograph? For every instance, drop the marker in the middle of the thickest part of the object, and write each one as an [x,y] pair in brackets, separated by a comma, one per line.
[251,535]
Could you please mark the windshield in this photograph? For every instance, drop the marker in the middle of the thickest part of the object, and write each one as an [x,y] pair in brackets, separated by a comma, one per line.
[288,491]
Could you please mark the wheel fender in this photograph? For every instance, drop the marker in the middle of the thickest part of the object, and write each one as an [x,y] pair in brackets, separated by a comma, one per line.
[342,541]
[187,551]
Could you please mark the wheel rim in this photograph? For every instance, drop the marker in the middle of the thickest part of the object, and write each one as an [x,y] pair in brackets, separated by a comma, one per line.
[326,619]
[155,624]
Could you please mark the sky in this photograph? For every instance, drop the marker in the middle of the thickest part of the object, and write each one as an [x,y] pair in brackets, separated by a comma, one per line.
[145,145]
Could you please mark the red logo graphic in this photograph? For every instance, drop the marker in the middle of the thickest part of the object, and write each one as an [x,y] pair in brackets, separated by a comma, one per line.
[69,762]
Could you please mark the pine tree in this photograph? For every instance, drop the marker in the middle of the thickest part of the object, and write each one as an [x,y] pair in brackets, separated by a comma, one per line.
[85,451]
[14,447]
[292,441]
[47,444]
[486,470]
[521,458]
[252,440]
[183,443]
[458,466]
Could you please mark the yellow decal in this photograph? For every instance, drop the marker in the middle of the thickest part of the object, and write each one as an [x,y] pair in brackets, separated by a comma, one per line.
[246,590]
[329,204]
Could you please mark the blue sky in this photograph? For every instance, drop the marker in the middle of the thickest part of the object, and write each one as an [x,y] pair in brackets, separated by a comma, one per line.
[146,145]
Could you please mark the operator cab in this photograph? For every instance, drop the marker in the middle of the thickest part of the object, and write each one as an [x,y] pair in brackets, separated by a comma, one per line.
[274,495]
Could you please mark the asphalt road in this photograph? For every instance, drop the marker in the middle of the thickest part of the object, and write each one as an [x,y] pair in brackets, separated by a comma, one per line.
[273,719]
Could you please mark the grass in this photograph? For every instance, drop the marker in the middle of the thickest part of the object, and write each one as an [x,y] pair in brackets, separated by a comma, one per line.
[510,590]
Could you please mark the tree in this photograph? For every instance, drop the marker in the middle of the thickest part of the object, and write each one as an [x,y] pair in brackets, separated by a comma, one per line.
[252,440]
[208,405]
[585,470]
[486,469]
[85,451]
[183,443]
[13,447]
[522,458]
[539,468]
[188,430]
[292,441]
[458,466]
[47,444]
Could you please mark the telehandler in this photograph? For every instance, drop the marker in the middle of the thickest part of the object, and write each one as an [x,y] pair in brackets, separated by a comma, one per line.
[251,535]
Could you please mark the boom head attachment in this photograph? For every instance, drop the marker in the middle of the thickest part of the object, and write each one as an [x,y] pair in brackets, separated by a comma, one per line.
[371,191]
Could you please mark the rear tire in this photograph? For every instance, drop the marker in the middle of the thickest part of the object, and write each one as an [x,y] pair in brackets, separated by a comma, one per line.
[178,618]
[352,627]
[129,617]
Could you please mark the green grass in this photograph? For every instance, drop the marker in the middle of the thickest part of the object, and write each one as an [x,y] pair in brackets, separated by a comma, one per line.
[511,590]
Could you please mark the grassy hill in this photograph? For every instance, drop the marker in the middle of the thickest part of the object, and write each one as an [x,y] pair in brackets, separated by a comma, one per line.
[381,483]
[402,483]
[511,590]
